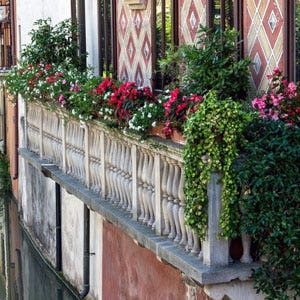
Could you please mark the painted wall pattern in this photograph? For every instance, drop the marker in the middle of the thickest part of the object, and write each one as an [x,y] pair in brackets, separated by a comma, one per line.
[263,35]
[191,14]
[134,43]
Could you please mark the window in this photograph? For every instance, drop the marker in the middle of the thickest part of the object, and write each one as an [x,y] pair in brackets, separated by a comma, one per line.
[292,39]
[224,13]
[165,34]
[297,38]
[107,38]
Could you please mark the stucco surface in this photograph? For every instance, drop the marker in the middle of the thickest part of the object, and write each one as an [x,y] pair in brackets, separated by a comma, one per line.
[132,272]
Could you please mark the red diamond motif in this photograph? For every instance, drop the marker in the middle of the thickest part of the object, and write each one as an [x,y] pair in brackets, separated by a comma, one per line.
[138,21]
[193,20]
[257,71]
[139,76]
[123,22]
[272,29]
[130,49]
[146,49]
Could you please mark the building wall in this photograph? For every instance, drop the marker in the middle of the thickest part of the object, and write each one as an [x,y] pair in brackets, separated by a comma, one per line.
[191,14]
[264,36]
[134,43]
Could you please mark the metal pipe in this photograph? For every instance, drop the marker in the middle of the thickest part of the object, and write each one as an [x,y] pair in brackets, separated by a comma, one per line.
[86,252]
[58,227]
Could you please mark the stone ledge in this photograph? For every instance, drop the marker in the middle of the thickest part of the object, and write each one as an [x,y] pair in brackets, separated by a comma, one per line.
[165,250]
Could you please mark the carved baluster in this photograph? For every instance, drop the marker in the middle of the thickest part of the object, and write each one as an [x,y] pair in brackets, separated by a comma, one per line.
[150,180]
[107,155]
[170,181]
[189,245]
[140,186]
[176,201]
[145,190]
[165,197]
[183,240]
[246,241]
[196,246]
[128,179]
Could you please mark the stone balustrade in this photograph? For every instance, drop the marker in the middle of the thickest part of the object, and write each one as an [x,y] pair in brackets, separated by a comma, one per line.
[145,179]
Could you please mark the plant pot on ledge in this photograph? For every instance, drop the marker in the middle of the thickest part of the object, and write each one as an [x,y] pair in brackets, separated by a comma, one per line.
[158,131]
[177,137]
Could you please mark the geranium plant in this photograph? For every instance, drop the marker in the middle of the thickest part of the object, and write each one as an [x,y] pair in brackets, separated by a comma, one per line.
[102,94]
[281,101]
[177,109]
[126,100]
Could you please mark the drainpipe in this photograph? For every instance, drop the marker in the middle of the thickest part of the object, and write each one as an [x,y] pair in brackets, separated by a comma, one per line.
[86,252]
[58,227]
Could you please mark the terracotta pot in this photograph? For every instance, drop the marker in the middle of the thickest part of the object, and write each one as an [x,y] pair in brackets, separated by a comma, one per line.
[158,131]
[177,137]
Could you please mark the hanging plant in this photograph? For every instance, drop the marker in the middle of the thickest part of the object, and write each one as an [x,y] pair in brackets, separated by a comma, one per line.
[212,137]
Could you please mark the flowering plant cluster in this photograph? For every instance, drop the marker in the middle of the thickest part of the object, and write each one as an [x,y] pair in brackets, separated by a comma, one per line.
[177,109]
[127,99]
[148,116]
[281,101]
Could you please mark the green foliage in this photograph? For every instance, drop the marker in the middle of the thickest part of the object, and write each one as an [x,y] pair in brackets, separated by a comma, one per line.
[212,136]
[212,64]
[52,44]
[148,116]
[5,182]
[269,175]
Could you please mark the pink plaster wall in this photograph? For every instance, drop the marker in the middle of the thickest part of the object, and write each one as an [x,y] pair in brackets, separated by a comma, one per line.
[132,272]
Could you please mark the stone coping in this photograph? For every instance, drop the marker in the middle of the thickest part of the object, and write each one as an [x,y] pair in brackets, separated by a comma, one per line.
[165,250]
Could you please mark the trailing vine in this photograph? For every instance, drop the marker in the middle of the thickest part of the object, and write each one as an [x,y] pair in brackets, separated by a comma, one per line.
[213,134]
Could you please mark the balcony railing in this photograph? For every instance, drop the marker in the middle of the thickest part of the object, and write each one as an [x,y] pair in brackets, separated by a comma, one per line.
[143,178]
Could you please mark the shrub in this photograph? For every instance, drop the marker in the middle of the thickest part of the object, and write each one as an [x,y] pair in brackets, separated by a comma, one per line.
[212,64]
[269,177]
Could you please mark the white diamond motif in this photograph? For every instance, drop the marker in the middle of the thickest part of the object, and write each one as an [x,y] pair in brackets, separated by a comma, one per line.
[256,63]
[193,20]
[272,21]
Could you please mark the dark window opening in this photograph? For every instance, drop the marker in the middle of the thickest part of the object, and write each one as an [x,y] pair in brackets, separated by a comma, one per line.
[165,35]
[107,38]
[297,38]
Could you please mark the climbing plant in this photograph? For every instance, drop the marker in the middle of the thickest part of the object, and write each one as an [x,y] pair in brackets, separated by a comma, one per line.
[212,134]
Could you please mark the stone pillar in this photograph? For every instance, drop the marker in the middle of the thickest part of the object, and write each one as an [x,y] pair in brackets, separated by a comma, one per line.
[215,248]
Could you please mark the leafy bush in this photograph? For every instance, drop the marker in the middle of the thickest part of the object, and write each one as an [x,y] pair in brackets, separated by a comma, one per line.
[52,44]
[211,64]
[269,177]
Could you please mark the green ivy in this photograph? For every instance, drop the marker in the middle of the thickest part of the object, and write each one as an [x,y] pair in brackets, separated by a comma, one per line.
[5,182]
[269,175]
[212,134]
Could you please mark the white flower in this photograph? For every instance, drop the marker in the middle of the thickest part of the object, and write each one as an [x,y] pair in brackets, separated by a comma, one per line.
[149,115]
[153,124]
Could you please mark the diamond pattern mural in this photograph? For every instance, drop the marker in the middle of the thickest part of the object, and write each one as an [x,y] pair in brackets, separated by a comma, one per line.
[263,35]
[191,14]
[134,36]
